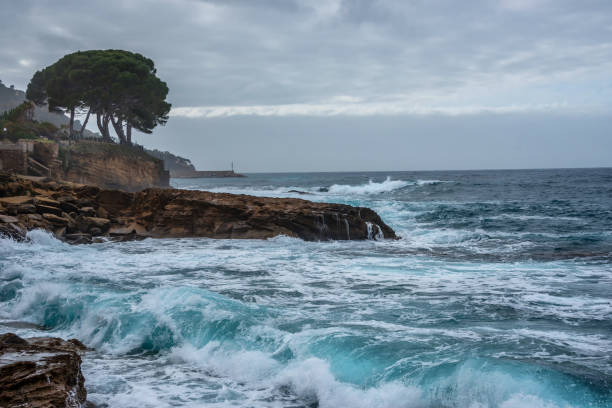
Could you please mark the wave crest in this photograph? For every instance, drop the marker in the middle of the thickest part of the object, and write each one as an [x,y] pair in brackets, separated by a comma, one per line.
[371,187]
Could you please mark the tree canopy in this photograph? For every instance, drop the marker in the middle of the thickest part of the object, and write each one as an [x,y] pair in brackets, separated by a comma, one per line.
[119,87]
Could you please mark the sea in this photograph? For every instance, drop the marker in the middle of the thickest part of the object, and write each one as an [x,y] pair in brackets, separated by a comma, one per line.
[498,294]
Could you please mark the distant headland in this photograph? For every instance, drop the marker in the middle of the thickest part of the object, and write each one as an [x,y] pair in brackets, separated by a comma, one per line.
[181,167]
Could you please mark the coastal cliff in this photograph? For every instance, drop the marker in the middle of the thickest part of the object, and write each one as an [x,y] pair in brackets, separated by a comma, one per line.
[80,213]
[41,372]
[112,166]
[106,165]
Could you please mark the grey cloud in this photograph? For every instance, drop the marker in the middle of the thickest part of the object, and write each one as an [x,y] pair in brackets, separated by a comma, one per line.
[336,55]
[278,52]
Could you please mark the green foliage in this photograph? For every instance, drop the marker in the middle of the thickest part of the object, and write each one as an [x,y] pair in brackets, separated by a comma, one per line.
[107,150]
[17,124]
[46,129]
[19,113]
[117,86]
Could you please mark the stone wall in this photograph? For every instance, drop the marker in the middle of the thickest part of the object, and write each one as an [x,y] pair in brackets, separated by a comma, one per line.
[13,157]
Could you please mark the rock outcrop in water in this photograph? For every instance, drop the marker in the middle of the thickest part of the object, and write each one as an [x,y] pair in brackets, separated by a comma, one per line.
[41,372]
[80,214]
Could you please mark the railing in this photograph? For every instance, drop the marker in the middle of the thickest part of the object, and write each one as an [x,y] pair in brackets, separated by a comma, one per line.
[38,167]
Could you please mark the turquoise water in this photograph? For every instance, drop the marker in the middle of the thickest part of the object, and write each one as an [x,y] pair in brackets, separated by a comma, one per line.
[499,294]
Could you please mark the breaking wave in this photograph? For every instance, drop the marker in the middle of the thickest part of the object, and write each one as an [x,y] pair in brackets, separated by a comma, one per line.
[371,187]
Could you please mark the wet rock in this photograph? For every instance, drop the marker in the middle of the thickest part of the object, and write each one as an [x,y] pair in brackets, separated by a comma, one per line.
[102,213]
[41,208]
[26,209]
[59,232]
[160,213]
[13,230]
[132,228]
[41,372]
[95,231]
[97,222]
[78,238]
[55,220]
[68,206]
[8,218]
[87,211]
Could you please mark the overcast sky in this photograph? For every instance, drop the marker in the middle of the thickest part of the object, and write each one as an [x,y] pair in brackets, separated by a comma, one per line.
[331,85]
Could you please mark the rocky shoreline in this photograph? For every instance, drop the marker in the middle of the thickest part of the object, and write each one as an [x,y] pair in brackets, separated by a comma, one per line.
[82,214]
[41,372]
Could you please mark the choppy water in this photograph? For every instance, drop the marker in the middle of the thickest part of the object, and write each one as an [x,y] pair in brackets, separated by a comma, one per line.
[498,295]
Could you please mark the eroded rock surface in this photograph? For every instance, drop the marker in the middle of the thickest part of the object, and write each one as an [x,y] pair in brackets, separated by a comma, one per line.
[41,372]
[80,214]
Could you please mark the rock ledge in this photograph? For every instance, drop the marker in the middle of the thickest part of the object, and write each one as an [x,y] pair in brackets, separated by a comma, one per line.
[80,213]
[41,372]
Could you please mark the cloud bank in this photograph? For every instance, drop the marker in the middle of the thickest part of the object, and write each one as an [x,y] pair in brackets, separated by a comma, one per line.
[366,109]
[270,75]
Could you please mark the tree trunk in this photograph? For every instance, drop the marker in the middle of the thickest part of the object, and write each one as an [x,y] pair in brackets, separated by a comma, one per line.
[100,123]
[71,130]
[118,125]
[84,123]
[129,133]
[105,121]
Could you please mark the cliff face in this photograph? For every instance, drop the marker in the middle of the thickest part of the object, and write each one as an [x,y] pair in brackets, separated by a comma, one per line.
[80,214]
[112,166]
[41,372]
[106,165]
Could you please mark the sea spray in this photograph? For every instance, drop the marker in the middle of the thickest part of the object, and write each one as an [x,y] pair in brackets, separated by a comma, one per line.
[348,233]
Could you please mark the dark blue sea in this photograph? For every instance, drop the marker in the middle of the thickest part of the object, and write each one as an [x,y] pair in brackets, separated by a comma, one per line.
[498,294]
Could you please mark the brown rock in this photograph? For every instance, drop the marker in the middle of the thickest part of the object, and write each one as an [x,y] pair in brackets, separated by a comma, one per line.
[54,219]
[87,211]
[95,231]
[59,232]
[26,209]
[46,201]
[36,217]
[132,228]
[41,208]
[102,223]
[68,206]
[68,217]
[8,218]
[162,213]
[41,372]
[40,191]
[16,200]
[78,238]
[12,231]
[102,213]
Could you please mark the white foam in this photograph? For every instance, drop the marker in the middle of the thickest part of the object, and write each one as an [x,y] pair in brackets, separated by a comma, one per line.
[310,379]
[42,238]
[431,182]
[525,400]
[370,187]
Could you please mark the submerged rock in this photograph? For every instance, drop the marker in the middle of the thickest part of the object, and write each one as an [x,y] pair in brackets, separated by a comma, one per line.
[161,213]
[41,372]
